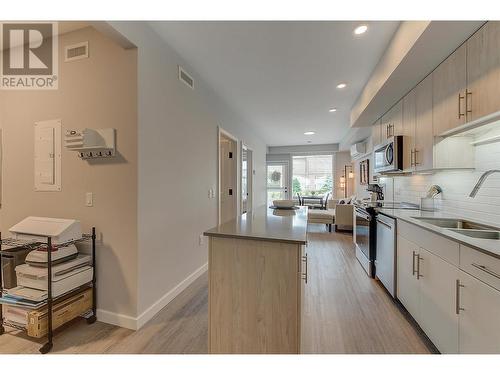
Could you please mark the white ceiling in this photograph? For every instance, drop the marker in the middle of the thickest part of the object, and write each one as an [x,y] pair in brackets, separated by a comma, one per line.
[280,76]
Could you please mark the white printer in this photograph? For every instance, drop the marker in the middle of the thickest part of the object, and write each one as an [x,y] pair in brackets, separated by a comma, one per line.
[39,228]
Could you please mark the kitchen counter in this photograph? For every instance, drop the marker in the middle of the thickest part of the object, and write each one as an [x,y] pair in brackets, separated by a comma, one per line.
[266,224]
[490,247]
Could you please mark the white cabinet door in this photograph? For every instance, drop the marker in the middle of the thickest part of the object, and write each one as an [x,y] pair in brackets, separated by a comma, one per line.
[409,120]
[479,321]
[438,316]
[424,138]
[407,283]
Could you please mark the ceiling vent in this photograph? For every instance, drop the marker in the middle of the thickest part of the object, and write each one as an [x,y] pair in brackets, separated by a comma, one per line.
[76,51]
[186,78]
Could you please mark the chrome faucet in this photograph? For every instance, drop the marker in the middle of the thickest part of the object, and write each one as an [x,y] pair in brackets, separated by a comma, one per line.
[481,180]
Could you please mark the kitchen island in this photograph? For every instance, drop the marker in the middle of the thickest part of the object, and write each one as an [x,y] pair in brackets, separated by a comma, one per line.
[257,270]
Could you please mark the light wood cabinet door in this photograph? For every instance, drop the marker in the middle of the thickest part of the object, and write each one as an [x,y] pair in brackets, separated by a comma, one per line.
[407,283]
[448,92]
[483,71]
[392,121]
[438,316]
[376,133]
[409,119]
[424,138]
[479,321]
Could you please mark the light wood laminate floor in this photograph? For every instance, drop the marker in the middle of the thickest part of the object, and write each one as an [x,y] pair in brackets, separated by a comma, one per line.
[346,312]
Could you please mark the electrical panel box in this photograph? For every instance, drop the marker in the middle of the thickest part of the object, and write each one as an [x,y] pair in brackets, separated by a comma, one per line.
[91,143]
[48,155]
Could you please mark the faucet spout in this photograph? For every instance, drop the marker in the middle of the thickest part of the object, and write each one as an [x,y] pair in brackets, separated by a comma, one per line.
[481,180]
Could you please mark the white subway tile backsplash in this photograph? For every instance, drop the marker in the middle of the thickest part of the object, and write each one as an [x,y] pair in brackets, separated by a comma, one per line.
[456,187]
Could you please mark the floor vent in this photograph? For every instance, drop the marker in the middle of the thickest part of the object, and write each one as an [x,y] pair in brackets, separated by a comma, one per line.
[76,51]
[186,78]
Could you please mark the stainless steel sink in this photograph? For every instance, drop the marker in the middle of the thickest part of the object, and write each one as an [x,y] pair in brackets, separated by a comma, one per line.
[483,234]
[454,223]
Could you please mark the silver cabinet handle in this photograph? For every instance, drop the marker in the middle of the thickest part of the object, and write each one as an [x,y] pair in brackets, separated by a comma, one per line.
[305,274]
[460,97]
[413,264]
[486,269]
[458,285]
[416,152]
[419,258]
[468,95]
[411,158]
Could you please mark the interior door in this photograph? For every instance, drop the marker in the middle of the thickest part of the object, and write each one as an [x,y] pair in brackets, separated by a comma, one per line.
[438,316]
[246,179]
[479,320]
[227,178]
[277,181]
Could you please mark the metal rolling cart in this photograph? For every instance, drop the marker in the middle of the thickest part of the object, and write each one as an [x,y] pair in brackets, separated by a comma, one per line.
[49,300]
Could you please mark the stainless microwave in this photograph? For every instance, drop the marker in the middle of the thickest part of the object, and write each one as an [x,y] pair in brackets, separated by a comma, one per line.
[388,156]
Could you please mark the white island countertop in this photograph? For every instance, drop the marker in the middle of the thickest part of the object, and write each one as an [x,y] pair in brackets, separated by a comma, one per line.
[266,224]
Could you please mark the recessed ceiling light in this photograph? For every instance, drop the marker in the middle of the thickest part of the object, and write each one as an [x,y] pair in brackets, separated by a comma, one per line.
[342,85]
[309,133]
[360,29]
[332,110]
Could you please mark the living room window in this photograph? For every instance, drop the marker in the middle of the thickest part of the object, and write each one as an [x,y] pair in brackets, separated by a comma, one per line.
[312,175]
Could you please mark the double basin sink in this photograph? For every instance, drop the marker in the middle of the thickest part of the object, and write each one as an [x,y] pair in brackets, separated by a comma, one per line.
[464,227]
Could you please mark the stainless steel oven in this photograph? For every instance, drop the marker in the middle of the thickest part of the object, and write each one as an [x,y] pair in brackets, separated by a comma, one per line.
[365,228]
[388,156]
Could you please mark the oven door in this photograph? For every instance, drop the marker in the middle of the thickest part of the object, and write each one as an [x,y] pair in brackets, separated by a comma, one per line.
[363,220]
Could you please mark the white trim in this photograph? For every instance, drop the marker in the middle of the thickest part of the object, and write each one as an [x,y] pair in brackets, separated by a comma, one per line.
[168,297]
[133,323]
[120,320]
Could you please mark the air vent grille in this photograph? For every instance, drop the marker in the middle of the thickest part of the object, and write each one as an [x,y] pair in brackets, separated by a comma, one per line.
[76,51]
[186,78]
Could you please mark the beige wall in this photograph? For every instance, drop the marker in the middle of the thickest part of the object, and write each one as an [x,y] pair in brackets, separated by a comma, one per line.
[98,92]
[177,167]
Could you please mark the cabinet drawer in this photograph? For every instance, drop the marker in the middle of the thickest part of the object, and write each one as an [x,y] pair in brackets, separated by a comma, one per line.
[436,244]
[485,267]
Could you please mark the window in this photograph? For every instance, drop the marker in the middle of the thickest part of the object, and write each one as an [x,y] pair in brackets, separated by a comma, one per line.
[312,175]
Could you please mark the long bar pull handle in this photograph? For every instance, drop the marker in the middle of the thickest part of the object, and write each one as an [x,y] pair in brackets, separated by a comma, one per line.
[416,152]
[411,158]
[419,258]
[457,297]
[468,108]
[460,98]
[305,274]
[413,264]
[485,269]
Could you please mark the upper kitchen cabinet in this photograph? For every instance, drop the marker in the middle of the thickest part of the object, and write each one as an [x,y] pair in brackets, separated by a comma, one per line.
[392,121]
[424,138]
[483,71]
[408,133]
[449,91]
[377,133]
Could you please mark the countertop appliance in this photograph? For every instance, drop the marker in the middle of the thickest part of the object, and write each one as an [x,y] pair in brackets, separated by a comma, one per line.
[388,156]
[385,263]
[365,227]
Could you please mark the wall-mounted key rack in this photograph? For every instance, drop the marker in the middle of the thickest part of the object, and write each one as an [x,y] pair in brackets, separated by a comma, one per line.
[91,143]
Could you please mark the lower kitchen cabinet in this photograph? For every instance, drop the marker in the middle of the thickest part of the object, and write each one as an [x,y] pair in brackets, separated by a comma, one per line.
[479,318]
[438,317]
[407,283]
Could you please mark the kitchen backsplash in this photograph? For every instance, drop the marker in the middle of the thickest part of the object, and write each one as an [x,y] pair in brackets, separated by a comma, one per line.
[456,186]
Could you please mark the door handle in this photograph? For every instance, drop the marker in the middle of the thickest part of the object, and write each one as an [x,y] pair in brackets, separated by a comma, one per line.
[419,258]
[458,285]
[416,152]
[468,95]
[305,274]
[413,264]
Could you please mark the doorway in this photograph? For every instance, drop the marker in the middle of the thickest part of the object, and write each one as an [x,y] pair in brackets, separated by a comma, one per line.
[277,181]
[228,181]
[246,178]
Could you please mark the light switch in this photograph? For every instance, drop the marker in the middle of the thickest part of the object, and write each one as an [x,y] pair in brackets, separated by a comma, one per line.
[89,199]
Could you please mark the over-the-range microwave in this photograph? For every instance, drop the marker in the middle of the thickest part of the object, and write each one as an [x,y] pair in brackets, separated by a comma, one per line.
[388,156]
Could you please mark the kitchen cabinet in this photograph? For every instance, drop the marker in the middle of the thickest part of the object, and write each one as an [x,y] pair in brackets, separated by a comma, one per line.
[424,139]
[483,71]
[479,320]
[409,117]
[407,283]
[376,133]
[392,121]
[438,317]
[449,82]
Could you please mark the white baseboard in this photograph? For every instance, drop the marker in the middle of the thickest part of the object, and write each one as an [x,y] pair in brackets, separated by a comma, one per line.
[131,322]
[169,296]
[120,320]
